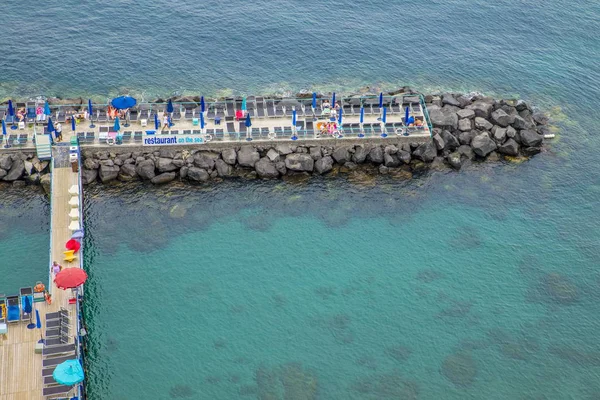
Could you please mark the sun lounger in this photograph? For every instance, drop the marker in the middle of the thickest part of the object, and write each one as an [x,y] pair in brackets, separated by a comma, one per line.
[367,129]
[137,136]
[278,132]
[57,315]
[54,332]
[54,361]
[90,137]
[230,128]
[242,127]
[57,341]
[13,310]
[56,323]
[255,133]
[229,110]
[57,350]
[54,391]
[49,381]
[280,111]
[126,136]
[61,117]
[133,115]
[377,129]
[264,132]
[48,371]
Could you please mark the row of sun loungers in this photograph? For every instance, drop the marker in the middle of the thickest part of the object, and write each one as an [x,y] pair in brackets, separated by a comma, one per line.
[57,350]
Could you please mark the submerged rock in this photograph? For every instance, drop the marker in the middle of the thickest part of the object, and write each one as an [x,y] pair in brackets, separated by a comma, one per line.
[460,369]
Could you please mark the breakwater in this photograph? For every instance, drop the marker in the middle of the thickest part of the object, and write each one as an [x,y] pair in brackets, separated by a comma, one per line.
[466,129]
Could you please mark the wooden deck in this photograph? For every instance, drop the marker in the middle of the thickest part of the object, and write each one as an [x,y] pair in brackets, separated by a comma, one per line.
[20,367]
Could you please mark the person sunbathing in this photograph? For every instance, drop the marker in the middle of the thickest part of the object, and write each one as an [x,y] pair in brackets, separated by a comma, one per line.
[21,114]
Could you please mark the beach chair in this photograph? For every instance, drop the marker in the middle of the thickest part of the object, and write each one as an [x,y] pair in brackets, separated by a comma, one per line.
[49,381]
[264,132]
[126,137]
[278,132]
[57,341]
[23,139]
[186,132]
[367,129]
[90,137]
[231,130]
[280,111]
[47,371]
[58,350]
[62,313]
[229,108]
[13,309]
[53,392]
[137,136]
[54,361]
[287,132]
[242,128]
[102,115]
[255,133]
[377,129]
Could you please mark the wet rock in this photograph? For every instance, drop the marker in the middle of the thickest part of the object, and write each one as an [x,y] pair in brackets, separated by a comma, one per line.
[466,151]
[108,163]
[530,138]
[299,162]
[376,155]
[460,369]
[466,137]
[223,169]
[482,109]
[266,169]
[540,118]
[248,156]
[3,173]
[439,142]
[449,99]
[280,165]
[145,169]
[383,170]
[166,153]
[454,159]
[404,156]
[342,154]
[482,145]
[509,148]
[205,160]
[28,167]
[531,151]
[165,165]
[523,123]
[444,118]
[426,152]
[165,177]
[16,171]
[273,155]
[127,172]
[501,118]
[229,156]
[5,161]
[390,149]
[451,143]
[87,176]
[40,166]
[391,160]
[108,173]
[466,114]
[360,153]
[198,174]
[483,124]
[500,135]
[324,165]
[45,181]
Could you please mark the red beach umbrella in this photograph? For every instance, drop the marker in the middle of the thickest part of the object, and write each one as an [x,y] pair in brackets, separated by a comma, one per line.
[70,278]
[73,245]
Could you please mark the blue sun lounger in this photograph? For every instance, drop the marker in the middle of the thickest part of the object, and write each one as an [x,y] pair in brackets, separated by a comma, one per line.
[13,310]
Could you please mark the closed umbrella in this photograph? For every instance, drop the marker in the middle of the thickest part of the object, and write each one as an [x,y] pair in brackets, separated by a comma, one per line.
[47,111]
[73,123]
[314,100]
[202,104]
[362,119]
[4,133]
[90,112]
[123,102]
[248,124]
[381,100]
[201,120]
[340,116]
[38,323]
[117,126]
[73,244]
[11,114]
[27,309]
[50,125]
[156,123]
[384,119]
[68,373]
[70,278]
[406,116]
[170,106]
[294,117]
[333,100]
[78,234]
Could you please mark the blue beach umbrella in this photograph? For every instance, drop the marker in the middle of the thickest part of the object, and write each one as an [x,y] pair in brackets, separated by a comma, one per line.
[170,106]
[333,100]
[202,120]
[117,126]
[4,127]
[11,109]
[202,105]
[362,115]
[314,100]
[294,118]
[248,124]
[156,124]
[73,123]
[90,112]
[123,102]
[27,309]
[384,115]
[340,116]
[68,373]
[47,108]
[380,99]
[38,323]
[50,125]
[406,116]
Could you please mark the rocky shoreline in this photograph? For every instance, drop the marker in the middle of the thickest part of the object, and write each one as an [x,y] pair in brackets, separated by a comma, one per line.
[465,129]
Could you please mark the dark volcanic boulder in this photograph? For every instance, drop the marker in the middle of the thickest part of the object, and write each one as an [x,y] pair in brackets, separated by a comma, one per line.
[510,148]
[299,162]
[145,169]
[448,98]
[108,173]
[426,152]
[223,169]
[482,109]
[500,135]
[205,160]
[466,114]
[454,159]
[530,138]
[404,156]
[466,137]
[450,141]
[324,165]
[5,161]
[127,172]
[501,118]
[247,156]
[342,155]
[16,171]
[265,168]
[87,176]
[360,153]
[391,160]
[376,155]
[438,141]
[466,151]
[444,118]
[165,177]
[229,156]
[198,174]
[482,145]
[540,118]
[165,165]
[483,124]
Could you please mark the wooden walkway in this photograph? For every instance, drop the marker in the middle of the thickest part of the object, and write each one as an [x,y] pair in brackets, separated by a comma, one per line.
[20,366]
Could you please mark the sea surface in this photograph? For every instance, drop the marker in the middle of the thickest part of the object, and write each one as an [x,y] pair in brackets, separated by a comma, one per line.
[478,284]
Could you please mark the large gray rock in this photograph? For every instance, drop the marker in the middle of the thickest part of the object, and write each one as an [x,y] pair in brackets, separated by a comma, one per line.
[466,114]
[540,118]
[465,125]
[229,156]
[165,177]
[426,152]
[466,137]
[299,162]
[466,151]
[16,171]
[501,118]
[284,149]
[531,151]
[266,168]
[315,152]
[165,165]
[450,141]
[198,174]
[40,166]
[28,167]
[482,145]
[280,165]
[376,155]
[483,124]
[438,141]
[145,169]
[404,156]
[205,159]
[523,123]
[6,161]
[530,138]
[248,156]
[108,173]
[342,154]
[444,118]
[391,160]
[46,180]
[167,153]
[448,98]
[454,159]
[87,176]
[390,149]
[273,155]
[324,165]
[482,109]
[509,148]
[511,132]
[500,135]
[360,153]
[3,173]
[223,169]
[127,172]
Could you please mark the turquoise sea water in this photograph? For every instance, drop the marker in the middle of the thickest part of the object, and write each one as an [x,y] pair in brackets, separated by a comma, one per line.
[480,284]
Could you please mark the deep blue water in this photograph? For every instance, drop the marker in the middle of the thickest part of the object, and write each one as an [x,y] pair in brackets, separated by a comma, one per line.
[463,285]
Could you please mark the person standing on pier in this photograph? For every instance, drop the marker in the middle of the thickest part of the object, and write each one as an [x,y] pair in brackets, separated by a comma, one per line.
[56,267]
[58,129]
[165,122]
